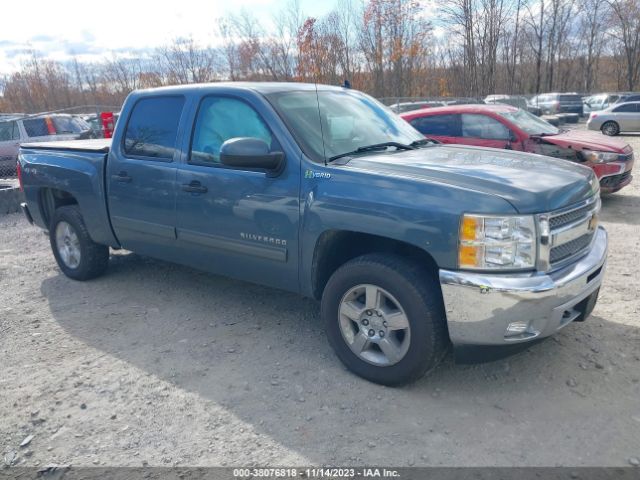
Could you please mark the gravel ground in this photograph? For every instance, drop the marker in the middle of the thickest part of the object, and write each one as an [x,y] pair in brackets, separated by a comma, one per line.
[163,365]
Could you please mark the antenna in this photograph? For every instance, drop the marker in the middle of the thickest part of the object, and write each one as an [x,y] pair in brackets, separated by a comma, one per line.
[324,152]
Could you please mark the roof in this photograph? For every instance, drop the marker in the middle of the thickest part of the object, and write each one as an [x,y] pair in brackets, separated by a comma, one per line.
[471,108]
[260,87]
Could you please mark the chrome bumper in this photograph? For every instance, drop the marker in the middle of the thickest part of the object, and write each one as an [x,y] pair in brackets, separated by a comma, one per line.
[481,307]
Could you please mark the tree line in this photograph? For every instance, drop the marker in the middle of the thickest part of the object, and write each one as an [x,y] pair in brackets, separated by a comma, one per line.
[388,48]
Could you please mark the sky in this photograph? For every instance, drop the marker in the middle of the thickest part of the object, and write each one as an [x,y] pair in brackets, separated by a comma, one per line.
[91,30]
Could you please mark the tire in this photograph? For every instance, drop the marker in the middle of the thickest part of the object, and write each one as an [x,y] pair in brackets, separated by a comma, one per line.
[411,290]
[68,226]
[610,128]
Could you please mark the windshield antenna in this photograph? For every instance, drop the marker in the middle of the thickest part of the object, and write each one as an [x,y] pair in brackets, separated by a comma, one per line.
[324,152]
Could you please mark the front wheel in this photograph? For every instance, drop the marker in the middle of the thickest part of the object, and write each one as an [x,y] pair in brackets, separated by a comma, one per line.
[610,128]
[385,319]
[78,256]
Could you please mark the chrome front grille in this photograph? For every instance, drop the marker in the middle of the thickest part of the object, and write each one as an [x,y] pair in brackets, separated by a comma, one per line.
[567,250]
[563,219]
[566,234]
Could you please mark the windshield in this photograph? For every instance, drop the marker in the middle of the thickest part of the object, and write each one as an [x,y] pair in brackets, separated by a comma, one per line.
[595,99]
[530,123]
[349,120]
[70,125]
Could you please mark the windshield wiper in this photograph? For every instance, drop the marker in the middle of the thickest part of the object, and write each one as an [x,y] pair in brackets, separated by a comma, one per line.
[423,142]
[371,148]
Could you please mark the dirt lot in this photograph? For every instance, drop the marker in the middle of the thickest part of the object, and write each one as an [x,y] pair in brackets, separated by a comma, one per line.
[159,364]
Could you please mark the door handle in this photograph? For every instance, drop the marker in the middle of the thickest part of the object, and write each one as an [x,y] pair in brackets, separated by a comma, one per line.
[122,177]
[194,187]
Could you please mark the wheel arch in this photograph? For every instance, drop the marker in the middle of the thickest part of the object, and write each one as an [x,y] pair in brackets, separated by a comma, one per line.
[50,199]
[336,247]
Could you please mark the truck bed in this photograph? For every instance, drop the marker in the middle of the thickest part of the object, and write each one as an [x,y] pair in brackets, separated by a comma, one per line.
[99,145]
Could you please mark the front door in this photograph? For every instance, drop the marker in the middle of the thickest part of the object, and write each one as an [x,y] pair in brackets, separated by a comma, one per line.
[235,222]
[141,176]
[484,131]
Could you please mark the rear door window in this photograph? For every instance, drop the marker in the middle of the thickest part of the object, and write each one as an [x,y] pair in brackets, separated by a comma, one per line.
[437,125]
[38,127]
[152,129]
[627,108]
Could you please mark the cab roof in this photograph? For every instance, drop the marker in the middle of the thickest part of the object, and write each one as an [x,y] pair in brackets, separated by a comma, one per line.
[260,87]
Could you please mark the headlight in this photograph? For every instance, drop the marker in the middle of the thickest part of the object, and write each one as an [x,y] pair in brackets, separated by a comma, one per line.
[490,242]
[599,157]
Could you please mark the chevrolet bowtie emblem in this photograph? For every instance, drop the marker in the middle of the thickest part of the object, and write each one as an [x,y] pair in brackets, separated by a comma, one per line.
[593,222]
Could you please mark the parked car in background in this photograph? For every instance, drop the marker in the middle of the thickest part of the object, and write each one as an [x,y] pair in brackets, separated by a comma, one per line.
[600,101]
[93,120]
[619,117]
[629,97]
[517,101]
[513,100]
[503,126]
[408,106]
[47,128]
[553,103]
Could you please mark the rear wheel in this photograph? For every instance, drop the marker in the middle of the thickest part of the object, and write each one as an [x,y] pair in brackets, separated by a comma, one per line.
[78,256]
[610,128]
[385,319]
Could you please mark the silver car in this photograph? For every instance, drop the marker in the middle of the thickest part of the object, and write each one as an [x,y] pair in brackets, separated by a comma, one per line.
[620,117]
[46,128]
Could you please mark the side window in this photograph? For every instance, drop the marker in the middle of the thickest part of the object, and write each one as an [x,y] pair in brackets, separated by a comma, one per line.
[482,126]
[153,127]
[8,132]
[629,107]
[443,125]
[37,127]
[220,119]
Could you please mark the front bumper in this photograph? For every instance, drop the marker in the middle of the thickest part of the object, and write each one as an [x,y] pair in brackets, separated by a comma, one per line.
[480,307]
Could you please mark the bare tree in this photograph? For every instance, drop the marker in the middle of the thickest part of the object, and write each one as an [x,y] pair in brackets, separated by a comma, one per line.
[184,61]
[626,30]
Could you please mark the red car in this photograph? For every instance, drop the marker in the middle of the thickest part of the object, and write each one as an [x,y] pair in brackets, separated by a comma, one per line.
[504,126]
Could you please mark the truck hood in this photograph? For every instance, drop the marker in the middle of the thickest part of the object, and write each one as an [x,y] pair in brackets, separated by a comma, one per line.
[578,140]
[531,183]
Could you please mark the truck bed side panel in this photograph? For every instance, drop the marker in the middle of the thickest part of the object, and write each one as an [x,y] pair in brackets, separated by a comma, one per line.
[79,173]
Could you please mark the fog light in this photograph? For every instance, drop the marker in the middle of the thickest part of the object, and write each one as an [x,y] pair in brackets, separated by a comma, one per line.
[516,328]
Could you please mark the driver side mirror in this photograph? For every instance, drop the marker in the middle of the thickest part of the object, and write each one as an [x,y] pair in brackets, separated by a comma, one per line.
[512,137]
[251,154]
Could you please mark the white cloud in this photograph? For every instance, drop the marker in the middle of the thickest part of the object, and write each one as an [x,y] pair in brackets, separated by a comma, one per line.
[91,30]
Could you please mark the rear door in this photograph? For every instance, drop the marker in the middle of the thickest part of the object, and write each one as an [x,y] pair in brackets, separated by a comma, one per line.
[237,222]
[141,175]
[484,131]
[628,117]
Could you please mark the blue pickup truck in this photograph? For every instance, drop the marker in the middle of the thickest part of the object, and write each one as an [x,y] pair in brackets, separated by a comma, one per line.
[410,246]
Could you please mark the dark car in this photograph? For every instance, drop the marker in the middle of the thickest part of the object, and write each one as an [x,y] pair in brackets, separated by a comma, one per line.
[628,97]
[553,103]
